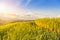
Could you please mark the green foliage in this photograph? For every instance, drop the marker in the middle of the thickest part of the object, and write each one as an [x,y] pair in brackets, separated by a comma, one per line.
[49,23]
[28,30]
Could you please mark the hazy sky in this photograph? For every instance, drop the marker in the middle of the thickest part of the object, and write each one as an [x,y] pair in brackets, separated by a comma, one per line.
[42,7]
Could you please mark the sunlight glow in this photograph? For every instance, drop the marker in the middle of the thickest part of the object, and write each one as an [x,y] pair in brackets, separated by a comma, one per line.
[3,8]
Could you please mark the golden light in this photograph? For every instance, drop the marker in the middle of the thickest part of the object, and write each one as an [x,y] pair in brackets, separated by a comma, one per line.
[3,8]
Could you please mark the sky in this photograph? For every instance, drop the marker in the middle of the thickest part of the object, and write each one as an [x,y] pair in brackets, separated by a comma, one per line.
[49,8]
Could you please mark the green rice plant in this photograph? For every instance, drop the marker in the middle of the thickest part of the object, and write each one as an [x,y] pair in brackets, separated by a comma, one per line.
[52,24]
[26,31]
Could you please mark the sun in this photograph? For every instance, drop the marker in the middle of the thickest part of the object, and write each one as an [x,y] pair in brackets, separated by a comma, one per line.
[3,8]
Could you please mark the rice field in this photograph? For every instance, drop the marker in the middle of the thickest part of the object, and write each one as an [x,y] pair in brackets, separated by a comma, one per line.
[39,29]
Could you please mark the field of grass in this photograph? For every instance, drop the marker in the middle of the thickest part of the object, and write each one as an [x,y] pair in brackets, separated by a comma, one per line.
[52,24]
[39,29]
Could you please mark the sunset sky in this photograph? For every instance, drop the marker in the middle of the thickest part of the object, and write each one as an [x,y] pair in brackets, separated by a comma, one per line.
[41,7]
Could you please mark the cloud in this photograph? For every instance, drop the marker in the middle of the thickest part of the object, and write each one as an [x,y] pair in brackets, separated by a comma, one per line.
[58,16]
[15,13]
[17,16]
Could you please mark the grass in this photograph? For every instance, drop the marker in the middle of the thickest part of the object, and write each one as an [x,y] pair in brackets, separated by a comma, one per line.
[29,30]
[52,24]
